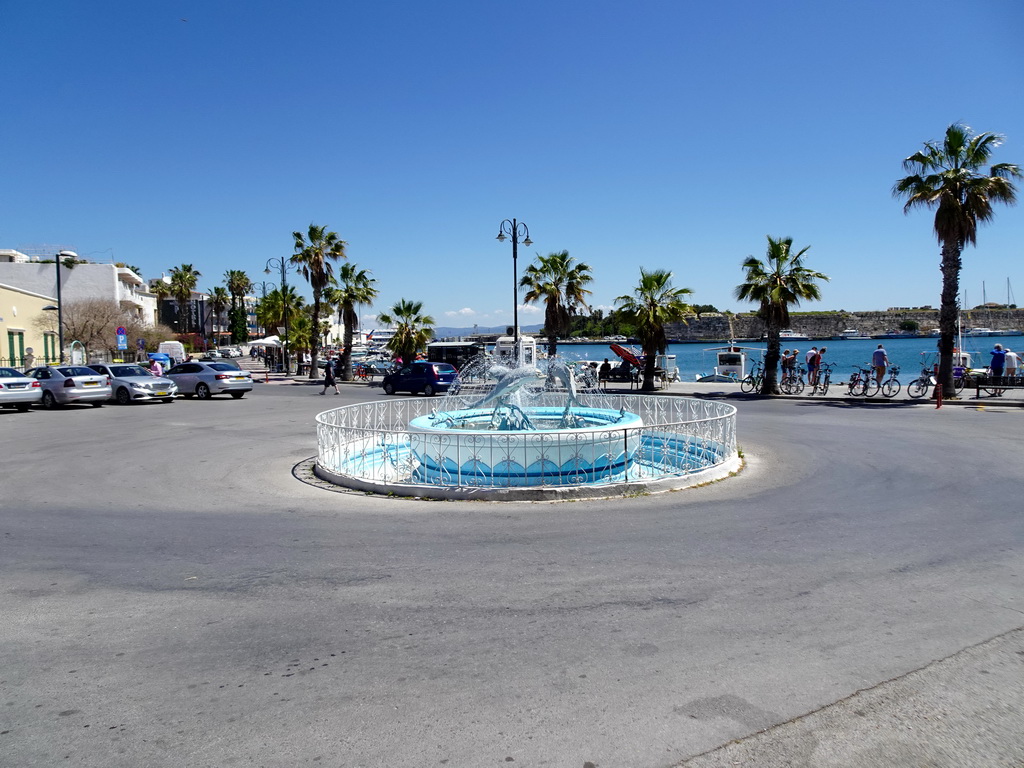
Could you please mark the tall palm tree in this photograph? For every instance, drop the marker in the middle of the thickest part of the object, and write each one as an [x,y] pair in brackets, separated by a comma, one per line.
[948,178]
[413,330]
[654,302]
[162,291]
[354,287]
[183,281]
[560,283]
[776,283]
[238,284]
[271,311]
[219,301]
[313,258]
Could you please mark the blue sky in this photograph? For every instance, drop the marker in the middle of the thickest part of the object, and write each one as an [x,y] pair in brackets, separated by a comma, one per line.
[669,135]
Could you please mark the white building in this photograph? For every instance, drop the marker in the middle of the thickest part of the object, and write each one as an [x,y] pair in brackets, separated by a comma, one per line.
[80,282]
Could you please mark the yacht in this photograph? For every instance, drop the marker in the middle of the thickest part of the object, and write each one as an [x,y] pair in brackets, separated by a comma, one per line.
[851,333]
[788,335]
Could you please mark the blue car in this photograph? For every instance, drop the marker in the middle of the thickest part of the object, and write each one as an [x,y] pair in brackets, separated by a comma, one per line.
[420,376]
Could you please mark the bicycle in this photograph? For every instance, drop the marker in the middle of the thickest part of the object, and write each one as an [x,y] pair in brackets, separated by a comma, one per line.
[821,385]
[924,383]
[891,386]
[862,383]
[793,381]
[753,380]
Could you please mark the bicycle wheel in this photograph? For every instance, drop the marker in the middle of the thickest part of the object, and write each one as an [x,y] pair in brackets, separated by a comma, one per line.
[870,387]
[857,387]
[918,388]
[798,386]
[824,383]
[747,384]
[891,388]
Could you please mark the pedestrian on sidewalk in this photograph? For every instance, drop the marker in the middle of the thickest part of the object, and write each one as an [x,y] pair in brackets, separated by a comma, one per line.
[329,378]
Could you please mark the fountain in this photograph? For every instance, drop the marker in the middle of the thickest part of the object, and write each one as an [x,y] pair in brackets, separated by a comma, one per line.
[521,432]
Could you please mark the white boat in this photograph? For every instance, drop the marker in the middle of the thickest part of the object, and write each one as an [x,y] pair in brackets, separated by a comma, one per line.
[852,334]
[975,332]
[731,364]
[788,335]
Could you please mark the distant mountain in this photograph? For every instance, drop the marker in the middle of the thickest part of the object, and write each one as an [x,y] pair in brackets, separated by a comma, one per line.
[445,332]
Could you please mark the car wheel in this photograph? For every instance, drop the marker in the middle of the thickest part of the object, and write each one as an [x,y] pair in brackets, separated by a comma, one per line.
[97,405]
[123,396]
[202,391]
[48,400]
[428,390]
[389,388]
[238,395]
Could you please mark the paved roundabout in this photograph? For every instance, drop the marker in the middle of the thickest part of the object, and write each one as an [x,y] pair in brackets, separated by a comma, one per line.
[178,590]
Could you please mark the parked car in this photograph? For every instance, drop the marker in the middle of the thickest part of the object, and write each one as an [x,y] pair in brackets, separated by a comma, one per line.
[64,384]
[420,376]
[205,379]
[230,351]
[212,358]
[18,390]
[131,382]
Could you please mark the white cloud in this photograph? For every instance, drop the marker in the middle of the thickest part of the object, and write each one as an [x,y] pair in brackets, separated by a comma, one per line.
[530,309]
[464,312]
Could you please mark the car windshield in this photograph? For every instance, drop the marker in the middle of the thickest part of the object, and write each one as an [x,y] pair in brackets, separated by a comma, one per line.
[222,367]
[128,370]
[10,373]
[77,371]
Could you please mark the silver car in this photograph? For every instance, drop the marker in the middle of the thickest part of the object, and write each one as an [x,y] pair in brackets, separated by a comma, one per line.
[64,384]
[133,382]
[18,390]
[205,379]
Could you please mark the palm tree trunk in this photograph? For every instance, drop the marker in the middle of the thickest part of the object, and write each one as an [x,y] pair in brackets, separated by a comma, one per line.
[314,342]
[770,383]
[346,351]
[948,310]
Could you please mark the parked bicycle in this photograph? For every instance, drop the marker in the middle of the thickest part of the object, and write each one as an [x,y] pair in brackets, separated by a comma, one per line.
[752,381]
[924,383]
[793,381]
[821,384]
[891,386]
[862,383]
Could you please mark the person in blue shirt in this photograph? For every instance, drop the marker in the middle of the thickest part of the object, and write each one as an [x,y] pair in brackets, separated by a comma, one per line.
[998,361]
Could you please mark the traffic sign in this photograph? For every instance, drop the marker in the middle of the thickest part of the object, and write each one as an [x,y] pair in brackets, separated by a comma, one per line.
[121,331]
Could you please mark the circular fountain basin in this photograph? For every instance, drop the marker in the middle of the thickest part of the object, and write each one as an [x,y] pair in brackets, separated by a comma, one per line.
[470,447]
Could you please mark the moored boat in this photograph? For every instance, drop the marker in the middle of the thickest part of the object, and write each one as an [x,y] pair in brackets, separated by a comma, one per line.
[852,334]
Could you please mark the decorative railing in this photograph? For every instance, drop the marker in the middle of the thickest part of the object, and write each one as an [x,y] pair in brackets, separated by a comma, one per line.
[373,443]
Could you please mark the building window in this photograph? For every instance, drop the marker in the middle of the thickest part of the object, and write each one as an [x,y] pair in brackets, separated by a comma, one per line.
[16,348]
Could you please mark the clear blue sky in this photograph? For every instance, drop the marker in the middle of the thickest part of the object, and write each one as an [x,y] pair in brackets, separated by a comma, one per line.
[658,134]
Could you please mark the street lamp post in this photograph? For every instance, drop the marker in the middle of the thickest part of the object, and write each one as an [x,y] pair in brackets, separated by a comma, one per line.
[282,264]
[60,304]
[515,229]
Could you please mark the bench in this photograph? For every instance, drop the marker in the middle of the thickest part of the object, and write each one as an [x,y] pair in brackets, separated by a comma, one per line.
[995,385]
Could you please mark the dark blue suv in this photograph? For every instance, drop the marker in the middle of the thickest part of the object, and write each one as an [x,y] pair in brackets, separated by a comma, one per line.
[420,376]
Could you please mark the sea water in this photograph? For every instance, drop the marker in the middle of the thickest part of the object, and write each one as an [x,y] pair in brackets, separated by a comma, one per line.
[696,358]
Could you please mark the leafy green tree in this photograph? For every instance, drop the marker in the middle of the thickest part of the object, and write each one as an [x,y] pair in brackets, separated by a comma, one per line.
[314,259]
[413,330]
[354,287]
[776,283]
[238,285]
[654,303]
[183,281]
[948,177]
[560,283]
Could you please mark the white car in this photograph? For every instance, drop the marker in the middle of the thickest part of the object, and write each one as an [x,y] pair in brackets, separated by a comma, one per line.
[131,382]
[18,390]
[66,384]
[205,379]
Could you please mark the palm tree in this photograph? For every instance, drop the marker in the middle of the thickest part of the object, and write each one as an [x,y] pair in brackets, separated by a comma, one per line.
[776,283]
[162,291]
[183,282]
[654,302]
[355,287]
[313,258]
[219,301]
[412,330]
[947,177]
[238,284]
[555,279]
[271,311]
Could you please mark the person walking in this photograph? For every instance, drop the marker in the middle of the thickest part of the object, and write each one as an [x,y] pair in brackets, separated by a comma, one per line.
[1012,362]
[880,362]
[329,377]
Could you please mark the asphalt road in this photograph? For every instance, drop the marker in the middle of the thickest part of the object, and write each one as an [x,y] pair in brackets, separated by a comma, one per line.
[176,594]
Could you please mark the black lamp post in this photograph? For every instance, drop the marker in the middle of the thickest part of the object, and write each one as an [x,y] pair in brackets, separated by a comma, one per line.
[282,264]
[60,304]
[515,230]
